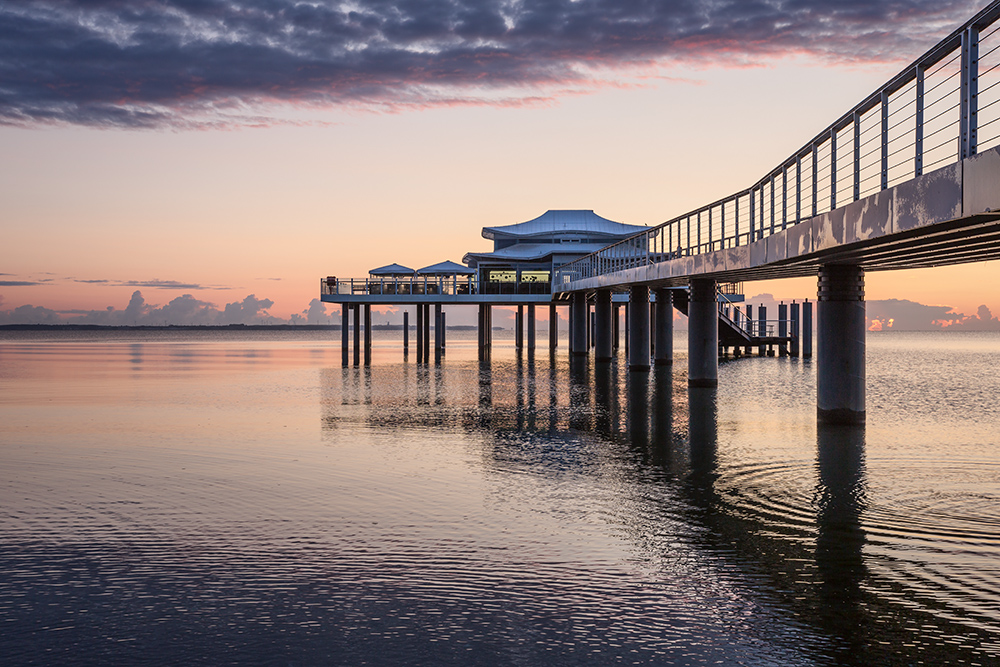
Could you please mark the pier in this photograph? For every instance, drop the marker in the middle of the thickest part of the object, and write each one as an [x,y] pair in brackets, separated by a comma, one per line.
[908,178]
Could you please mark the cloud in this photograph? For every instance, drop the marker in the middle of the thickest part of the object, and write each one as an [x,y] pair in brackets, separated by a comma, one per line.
[20,283]
[184,63]
[155,283]
[316,313]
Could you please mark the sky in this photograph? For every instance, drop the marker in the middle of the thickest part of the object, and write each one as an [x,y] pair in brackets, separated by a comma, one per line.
[207,161]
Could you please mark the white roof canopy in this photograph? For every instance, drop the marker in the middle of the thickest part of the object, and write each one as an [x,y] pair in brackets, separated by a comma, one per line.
[445,268]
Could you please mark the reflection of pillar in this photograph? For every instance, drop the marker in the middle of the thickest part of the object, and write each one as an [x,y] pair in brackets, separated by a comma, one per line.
[662,415]
[602,325]
[368,334]
[579,392]
[406,333]
[531,327]
[638,328]
[703,334]
[553,327]
[357,334]
[420,333]
[578,324]
[794,321]
[604,393]
[345,333]
[664,327]
[637,419]
[702,431]
[807,330]
[519,328]
[840,378]
[840,539]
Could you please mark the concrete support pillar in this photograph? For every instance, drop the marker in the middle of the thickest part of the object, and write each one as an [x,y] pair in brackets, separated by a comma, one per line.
[602,325]
[553,327]
[531,327]
[782,328]
[750,328]
[357,334]
[761,327]
[420,333]
[638,328]
[406,333]
[427,332]
[652,324]
[345,334]
[793,347]
[616,329]
[578,325]
[807,330]
[438,332]
[664,327]
[703,334]
[627,319]
[590,327]
[519,328]
[444,330]
[368,334]
[840,378]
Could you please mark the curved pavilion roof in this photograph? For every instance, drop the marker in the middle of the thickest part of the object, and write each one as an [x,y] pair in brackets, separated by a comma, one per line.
[564,222]
[531,252]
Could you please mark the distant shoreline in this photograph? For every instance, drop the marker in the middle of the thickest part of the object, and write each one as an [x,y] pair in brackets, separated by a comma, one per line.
[213,327]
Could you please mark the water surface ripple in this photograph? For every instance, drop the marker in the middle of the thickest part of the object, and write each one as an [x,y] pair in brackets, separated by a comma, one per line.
[239,498]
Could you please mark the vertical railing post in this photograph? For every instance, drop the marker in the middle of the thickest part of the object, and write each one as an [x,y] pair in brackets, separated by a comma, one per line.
[761,234]
[833,168]
[885,140]
[736,220]
[918,139]
[798,189]
[772,204]
[969,92]
[815,180]
[753,226]
[857,156]
[784,196]
[722,225]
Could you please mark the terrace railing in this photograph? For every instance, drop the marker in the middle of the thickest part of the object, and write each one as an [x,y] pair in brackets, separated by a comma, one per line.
[941,109]
[428,285]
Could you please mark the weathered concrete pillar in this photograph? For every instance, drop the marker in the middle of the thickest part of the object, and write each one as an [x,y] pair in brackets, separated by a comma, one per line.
[782,328]
[703,334]
[368,334]
[357,334]
[807,330]
[420,333]
[553,327]
[762,328]
[519,328]
[578,324]
[796,333]
[345,334]
[531,327]
[616,329]
[627,318]
[444,330]
[427,333]
[638,328]
[840,378]
[438,333]
[406,333]
[652,324]
[664,327]
[602,325]
[590,326]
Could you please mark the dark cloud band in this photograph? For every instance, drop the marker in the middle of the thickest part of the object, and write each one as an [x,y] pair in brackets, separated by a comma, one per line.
[147,63]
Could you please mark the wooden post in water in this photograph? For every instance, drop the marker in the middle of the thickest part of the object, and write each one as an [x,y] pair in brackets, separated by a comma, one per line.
[345,334]
[357,334]
[807,330]
[368,334]
[420,333]
[531,327]
[553,327]
[406,333]
[796,334]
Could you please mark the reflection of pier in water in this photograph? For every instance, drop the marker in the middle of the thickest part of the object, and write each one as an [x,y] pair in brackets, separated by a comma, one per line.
[659,440]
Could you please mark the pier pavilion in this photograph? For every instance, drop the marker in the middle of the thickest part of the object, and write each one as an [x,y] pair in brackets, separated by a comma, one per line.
[881,188]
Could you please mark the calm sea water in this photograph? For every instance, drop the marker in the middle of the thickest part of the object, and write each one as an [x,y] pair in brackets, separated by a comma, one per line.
[239,498]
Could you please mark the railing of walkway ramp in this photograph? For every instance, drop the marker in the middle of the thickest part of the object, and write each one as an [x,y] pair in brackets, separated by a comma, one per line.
[942,108]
